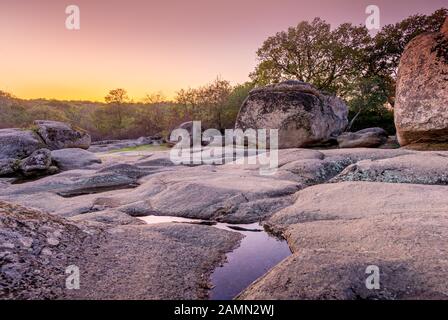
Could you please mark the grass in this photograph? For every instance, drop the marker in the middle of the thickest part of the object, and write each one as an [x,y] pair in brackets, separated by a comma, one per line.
[148,147]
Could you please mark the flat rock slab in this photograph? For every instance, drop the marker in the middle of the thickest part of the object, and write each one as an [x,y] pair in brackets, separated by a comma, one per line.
[109,145]
[357,154]
[354,200]
[171,261]
[337,230]
[35,250]
[331,258]
[420,168]
[208,193]
[144,185]
[74,158]
[107,218]
[165,261]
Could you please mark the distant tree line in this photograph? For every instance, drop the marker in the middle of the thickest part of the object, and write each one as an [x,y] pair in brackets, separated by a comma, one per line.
[346,61]
[215,104]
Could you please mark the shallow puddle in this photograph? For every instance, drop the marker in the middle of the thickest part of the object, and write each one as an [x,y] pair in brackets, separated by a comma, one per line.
[257,254]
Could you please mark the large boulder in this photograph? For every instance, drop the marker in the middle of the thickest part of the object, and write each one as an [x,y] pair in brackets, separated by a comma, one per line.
[421,109]
[110,145]
[39,162]
[18,143]
[73,158]
[303,115]
[366,138]
[8,167]
[60,135]
[189,127]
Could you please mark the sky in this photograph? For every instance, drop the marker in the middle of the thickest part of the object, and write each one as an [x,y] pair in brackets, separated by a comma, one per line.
[148,46]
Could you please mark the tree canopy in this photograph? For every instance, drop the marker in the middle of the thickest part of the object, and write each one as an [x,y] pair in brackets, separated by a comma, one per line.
[312,52]
[346,61]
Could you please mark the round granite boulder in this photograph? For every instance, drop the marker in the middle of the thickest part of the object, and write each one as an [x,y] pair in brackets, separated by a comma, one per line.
[303,115]
[421,109]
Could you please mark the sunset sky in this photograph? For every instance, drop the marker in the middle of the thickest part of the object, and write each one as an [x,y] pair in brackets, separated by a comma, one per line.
[154,45]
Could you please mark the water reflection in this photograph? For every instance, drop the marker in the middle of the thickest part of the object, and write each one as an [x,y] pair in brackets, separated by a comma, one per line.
[257,254]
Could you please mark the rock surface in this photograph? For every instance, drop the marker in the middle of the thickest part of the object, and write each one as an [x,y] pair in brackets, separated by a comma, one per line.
[110,145]
[8,167]
[366,138]
[38,163]
[421,109]
[151,184]
[355,200]
[346,226]
[331,259]
[189,127]
[421,168]
[73,158]
[171,261]
[303,115]
[25,152]
[36,249]
[60,135]
[18,143]
[338,230]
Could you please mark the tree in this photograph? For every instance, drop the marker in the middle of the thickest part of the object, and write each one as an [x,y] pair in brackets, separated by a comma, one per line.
[370,95]
[115,115]
[236,98]
[213,101]
[384,53]
[157,97]
[388,45]
[5,95]
[312,52]
[345,61]
[117,96]
[207,103]
[46,112]
[188,98]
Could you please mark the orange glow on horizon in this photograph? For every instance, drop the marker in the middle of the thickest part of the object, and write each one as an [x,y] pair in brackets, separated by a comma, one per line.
[149,46]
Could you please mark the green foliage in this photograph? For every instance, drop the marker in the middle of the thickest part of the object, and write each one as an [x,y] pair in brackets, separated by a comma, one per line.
[312,52]
[378,117]
[368,102]
[346,61]
[45,112]
[215,104]
[234,102]
[162,147]
[116,116]
[388,45]
[383,54]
